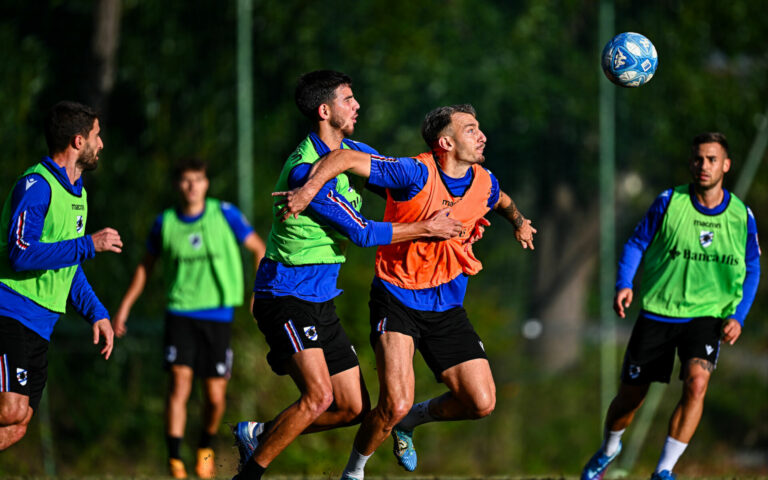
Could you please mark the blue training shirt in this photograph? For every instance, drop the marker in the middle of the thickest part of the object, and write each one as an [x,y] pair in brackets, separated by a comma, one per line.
[633,251]
[317,282]
[404,178]
[240,227]
[29,204]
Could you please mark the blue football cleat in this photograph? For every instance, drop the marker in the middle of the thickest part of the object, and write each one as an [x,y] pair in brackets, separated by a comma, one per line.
[246,434]
[664,475]
[403,448]
[596,466]
[346,476]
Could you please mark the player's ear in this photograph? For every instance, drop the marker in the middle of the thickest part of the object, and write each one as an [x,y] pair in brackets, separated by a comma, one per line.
[726,164]
[324,111]
[77,142]
[445,142]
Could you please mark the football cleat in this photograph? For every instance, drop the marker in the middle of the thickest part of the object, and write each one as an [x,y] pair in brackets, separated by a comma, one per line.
[595,468]
[205,468]
[246,434]
[403,448]
[346,476]
[664,475]
[176,468]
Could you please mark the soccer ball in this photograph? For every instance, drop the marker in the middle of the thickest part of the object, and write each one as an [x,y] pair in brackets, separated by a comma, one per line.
[629,60]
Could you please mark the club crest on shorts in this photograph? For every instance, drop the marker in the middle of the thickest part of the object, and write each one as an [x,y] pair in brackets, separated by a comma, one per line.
[634,371]
[310,332]
[21,376]
[196,240]
[705,238]
[170,354]
[79,224]
[709,349]
[221,368]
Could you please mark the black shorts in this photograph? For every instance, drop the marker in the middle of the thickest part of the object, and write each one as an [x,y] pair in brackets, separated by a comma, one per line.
[199,344]
[650,354]
[23,361]
[291,325]
[445,339]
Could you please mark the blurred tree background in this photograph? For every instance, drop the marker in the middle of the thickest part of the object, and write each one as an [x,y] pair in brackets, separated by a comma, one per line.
[163,75]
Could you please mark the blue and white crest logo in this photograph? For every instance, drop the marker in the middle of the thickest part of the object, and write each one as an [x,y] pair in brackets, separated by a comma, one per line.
[21,376]
[196,240]
[634,371]
[705,238]
[310,333]
[79,223]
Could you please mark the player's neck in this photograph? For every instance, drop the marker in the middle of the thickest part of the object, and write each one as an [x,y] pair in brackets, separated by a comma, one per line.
[450,165]
[68,161]
[331,136]
[710,197]
[192,209]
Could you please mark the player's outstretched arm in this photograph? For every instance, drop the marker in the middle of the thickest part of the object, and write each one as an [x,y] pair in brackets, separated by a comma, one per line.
[335,163]
[255,244]
[523,229]
[139,280]
[439,225]
[107,240]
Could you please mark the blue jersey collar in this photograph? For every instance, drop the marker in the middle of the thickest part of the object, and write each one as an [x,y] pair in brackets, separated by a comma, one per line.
[61,175]
[710,211]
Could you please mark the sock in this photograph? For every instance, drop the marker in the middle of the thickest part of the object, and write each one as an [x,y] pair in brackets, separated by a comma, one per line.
[251,471]
[611,441]
[174,446]
[205,440]
[670,454]
[356,465]
[418,414]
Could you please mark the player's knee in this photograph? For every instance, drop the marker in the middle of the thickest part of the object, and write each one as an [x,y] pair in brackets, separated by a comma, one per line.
[395,410]
[317,400]
[696,386]
[483,405]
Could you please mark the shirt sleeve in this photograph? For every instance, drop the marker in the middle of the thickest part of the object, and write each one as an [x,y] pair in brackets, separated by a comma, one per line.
[398,173]
[495,190]
[633,251]
[155,237]
[29,205]
[236,220]
[331,208]
[752,278]
[84,300]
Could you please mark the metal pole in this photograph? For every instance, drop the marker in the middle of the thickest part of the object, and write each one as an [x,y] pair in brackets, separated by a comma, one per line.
[245,107]
[607,113]
[753,158]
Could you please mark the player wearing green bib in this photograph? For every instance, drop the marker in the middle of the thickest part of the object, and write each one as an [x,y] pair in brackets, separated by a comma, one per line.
[199,246]
[701,266]
[42,244]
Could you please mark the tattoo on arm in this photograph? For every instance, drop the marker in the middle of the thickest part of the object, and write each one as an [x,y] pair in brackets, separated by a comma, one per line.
[513,214]
[705,364]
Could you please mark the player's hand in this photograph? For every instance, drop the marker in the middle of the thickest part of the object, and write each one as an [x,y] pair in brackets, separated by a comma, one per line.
[104,328]
[477,232]
[731,331]
[524,234]
[118,323]
[294,202]
[622,300]
[440,225]
[107,240]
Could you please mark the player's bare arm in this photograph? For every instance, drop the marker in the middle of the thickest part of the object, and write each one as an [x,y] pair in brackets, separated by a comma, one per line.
[255,244]
[731,331]
[523,229]
[139,280]
[324,170]
[622,301]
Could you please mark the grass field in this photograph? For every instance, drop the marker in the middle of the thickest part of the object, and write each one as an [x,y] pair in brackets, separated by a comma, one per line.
[399,477]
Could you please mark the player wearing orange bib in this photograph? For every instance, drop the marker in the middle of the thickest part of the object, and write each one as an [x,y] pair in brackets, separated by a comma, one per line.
[418,291]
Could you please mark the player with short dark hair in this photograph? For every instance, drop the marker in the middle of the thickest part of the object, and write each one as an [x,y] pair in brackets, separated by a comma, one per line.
[42,244]
[199,244]
[296,283]
[418,292]
[701,266]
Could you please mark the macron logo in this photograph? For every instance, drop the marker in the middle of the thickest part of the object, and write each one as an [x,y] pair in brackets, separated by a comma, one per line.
[30,181]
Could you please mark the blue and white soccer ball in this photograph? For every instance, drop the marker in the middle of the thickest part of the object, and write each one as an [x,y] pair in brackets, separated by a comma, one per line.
[629,60]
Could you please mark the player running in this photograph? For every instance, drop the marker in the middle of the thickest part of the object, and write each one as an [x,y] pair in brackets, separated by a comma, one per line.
[701,266]
[199,243]
[42,243]
[296,282]
[418,291]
